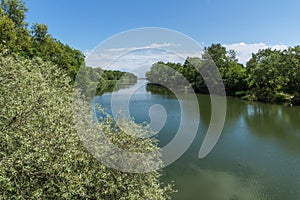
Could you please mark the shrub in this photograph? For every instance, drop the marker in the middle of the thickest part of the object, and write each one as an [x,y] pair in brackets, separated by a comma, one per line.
[41,154]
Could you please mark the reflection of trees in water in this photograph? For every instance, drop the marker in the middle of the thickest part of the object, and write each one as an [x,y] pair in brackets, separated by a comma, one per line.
[235,107]
[277,122]
[266,120]
[159,89]
[114,86]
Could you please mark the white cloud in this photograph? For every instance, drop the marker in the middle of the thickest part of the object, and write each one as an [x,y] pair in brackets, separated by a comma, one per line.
[142,58]
[86,52]
[132,58]
[244,51]
[154,45]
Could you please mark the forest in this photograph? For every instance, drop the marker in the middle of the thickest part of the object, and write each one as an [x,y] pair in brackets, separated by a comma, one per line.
[270,76]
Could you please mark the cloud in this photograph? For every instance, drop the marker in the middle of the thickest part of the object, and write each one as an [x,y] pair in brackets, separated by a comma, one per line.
[244,51]
[135,59]
[154,45]
[86,53]
[132,58]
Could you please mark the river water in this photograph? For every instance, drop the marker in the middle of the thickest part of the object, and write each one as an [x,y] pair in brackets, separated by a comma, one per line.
[257,156]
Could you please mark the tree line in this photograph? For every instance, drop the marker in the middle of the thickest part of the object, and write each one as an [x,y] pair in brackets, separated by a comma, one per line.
[271,76]
[96,81]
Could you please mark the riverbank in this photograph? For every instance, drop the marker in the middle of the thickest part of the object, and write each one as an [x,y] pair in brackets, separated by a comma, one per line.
[286,100]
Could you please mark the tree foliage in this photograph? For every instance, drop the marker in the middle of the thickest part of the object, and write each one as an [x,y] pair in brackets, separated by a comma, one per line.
[199,71]
[271,76]
[16,11]
[36,42]
[274,74]
[41,154]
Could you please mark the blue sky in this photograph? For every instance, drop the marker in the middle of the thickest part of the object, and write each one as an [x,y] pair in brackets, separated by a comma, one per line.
[248,24]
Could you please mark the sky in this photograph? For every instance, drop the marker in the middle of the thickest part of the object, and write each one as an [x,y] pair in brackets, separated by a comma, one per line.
[242,25]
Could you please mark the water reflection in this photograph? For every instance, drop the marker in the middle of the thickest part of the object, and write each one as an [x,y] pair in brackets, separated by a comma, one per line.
[114,86]
[158,89]
[275,122]
[214,185]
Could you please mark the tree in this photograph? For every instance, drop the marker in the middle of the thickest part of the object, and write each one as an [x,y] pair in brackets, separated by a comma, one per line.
[291,60]
[200,71]
[39,32]
[15,10]
[16,38]
[236,80]
[8,34]
[190,70]
[268,76]
[218,54]
[233,73]
[166,74]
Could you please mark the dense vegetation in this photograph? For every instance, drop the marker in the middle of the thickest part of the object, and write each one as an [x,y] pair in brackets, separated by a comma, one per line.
[271,76]
[41,154]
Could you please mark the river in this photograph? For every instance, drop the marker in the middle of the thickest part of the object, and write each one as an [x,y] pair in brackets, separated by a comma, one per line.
[257,156]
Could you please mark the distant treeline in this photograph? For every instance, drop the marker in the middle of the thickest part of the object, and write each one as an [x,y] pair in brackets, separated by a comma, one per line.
[96,80]
[271,76]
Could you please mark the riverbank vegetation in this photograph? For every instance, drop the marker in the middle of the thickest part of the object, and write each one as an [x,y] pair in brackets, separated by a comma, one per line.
[94,81]
[271,76]
[41,154]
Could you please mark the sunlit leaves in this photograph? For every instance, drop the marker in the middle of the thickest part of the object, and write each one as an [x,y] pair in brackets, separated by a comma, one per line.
[41,155]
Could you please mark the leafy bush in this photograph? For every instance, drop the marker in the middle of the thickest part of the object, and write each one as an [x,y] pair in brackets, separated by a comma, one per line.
[41,155]
[281,97]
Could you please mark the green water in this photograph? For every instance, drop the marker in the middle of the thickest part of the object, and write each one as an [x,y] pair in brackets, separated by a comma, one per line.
[257,156]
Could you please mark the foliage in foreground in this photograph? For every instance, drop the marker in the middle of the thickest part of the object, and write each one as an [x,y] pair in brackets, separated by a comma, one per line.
[41,155]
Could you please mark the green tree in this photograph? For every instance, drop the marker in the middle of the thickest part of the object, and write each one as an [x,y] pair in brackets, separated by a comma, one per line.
[8,34]
[233,73]
[268,76]
[291,60]
[236,80]
[15,10]
[218,54]
[39,32]
[17,38]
